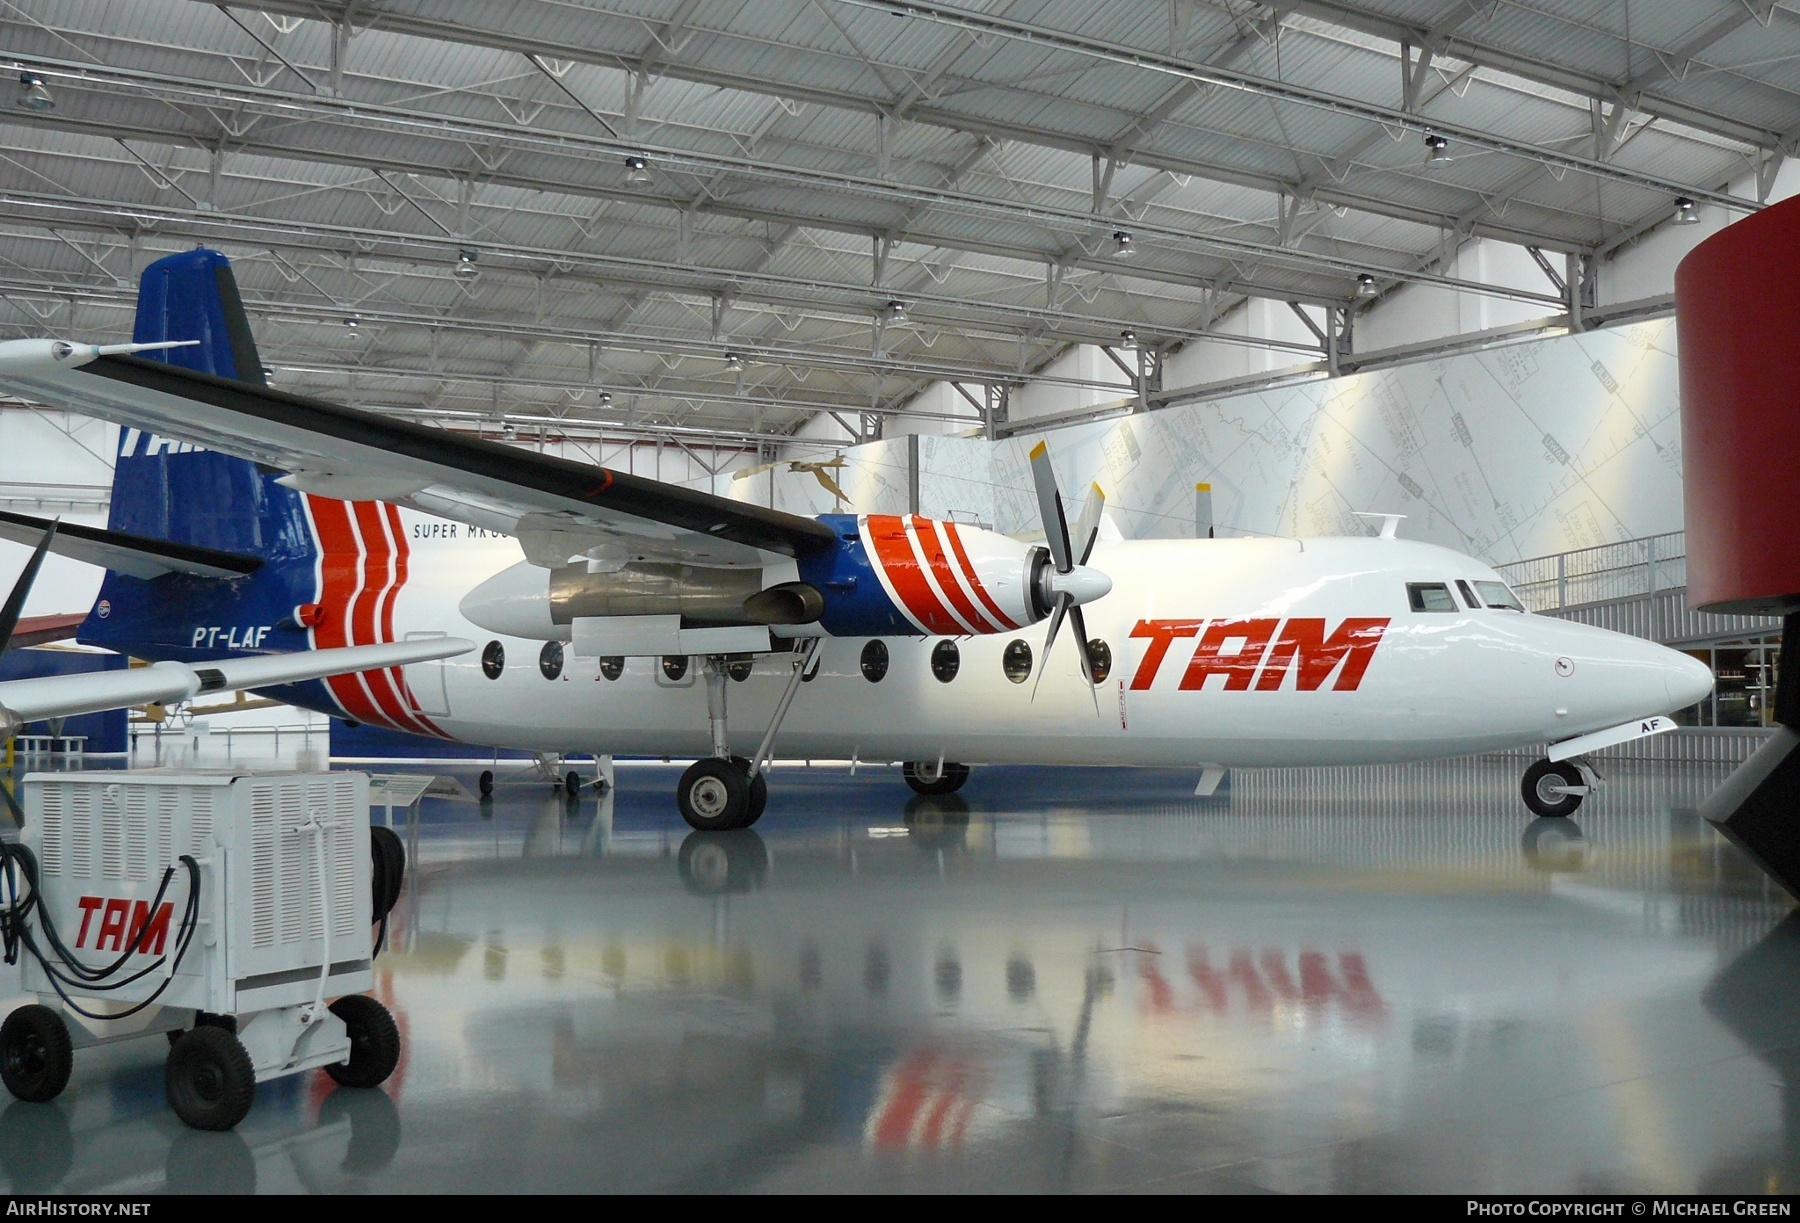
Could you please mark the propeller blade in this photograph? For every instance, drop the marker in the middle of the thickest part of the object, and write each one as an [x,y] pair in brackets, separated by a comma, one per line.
[1061,609]
[1050,508]
[1084,652]
[1087,527]
[15,602]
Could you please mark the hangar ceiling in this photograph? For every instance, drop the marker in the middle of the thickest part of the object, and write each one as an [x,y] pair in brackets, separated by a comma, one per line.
[714,219]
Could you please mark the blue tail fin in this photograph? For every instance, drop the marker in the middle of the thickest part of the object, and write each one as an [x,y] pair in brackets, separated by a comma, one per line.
[172,490]
[169,490]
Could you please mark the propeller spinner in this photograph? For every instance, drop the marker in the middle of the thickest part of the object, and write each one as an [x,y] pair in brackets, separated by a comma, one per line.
[1068,581]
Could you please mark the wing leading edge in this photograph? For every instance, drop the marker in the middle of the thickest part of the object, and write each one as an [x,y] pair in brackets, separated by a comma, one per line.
[333,450]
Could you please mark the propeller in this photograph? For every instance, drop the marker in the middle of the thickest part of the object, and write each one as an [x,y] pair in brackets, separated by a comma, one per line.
[9,621]
[15,602]
[1068,582]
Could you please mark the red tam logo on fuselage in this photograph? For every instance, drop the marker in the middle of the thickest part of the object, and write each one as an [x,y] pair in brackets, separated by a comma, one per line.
[1260,652]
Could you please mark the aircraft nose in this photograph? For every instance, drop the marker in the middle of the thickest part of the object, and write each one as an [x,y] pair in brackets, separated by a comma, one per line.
[1687,679]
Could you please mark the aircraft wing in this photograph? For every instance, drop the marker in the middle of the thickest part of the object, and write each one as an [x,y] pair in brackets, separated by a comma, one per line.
[135,555]
[555,507]
[62,696]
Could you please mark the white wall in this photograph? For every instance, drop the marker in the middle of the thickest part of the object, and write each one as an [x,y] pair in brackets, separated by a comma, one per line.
[1515,450]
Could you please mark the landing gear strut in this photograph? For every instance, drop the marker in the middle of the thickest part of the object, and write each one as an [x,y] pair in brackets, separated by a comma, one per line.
[1553,788]
[723,791]
[934,776]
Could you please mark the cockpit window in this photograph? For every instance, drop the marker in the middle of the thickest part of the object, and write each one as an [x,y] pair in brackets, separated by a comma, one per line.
[1430,597]
[1468,595]
[1499,594]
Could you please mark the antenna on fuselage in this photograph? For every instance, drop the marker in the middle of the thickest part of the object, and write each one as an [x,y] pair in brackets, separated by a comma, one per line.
[1390,523]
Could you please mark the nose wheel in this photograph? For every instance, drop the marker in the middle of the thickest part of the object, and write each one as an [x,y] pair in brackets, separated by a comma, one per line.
[1553,788]
[930,777]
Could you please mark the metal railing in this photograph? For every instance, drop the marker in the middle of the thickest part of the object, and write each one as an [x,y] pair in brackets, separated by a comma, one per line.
[1631,568]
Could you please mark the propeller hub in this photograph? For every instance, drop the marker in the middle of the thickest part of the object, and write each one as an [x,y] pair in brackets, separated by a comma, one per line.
[1083,584]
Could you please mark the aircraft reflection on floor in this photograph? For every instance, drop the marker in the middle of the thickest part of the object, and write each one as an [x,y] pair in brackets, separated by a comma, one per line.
[1042,986]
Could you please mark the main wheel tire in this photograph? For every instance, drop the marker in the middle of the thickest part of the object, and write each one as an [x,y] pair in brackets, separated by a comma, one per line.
[35,1053]
[713,794]
[209,1079]
[759,793]
[485,783]
[374,1042]
[1541,788]
[926,778]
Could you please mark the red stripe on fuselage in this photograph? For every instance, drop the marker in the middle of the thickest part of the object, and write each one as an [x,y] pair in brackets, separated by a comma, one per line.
[362,566]
[894,553]
[987,600]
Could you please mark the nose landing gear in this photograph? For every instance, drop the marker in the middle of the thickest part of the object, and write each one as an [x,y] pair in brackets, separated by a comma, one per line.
[1553,788]
[723,791]
[930,777]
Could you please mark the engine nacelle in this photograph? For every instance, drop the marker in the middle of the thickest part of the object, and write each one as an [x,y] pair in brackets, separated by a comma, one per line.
[887,575]
[911,575]
[528,601]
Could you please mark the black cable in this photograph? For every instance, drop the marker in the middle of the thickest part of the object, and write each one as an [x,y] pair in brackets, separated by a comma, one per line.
[17,864]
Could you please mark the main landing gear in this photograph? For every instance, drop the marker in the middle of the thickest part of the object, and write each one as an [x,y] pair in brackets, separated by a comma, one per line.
[1554,788]
[723,791]
[934,776]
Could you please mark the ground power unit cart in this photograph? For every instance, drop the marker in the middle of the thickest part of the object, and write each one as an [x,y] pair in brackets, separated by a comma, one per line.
[232,912]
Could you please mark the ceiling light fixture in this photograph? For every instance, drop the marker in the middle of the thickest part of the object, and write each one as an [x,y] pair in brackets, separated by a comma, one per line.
[1122,244]
[733,362]
[350,323]
[33,95]
[637,170]
[605,398]
[465,264]
[1128,339]
[896,312]
[1365,285]
[1685,212]
[509,431]
[1434,149]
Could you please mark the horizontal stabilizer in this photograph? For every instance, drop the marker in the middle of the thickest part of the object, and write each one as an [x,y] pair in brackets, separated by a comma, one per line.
[64,696]
[41,630]
[133,555]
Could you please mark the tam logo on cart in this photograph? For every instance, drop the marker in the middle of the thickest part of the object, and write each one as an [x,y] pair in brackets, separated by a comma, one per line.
[120,921]
[1234,649]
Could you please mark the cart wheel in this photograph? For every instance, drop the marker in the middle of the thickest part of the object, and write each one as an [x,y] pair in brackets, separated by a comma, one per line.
[209,1079]
[485,783]
[374,1042]
[35,1053]
[572,784]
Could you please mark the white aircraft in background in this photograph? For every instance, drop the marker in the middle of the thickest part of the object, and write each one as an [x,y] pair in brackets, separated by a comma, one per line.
[646,618]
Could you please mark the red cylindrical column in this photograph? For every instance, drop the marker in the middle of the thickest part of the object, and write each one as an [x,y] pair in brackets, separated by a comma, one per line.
[1737,313]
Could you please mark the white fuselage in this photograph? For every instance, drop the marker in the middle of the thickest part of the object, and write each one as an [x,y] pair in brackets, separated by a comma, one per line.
[1435,684]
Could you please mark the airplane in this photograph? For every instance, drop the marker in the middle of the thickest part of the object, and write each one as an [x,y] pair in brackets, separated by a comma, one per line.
[625,616]
[47,697]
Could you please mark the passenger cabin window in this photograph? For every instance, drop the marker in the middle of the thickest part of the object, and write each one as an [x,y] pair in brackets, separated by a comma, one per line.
[875,660]
[1499,594]
[946,660]
[1468,595]
[1430,597]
